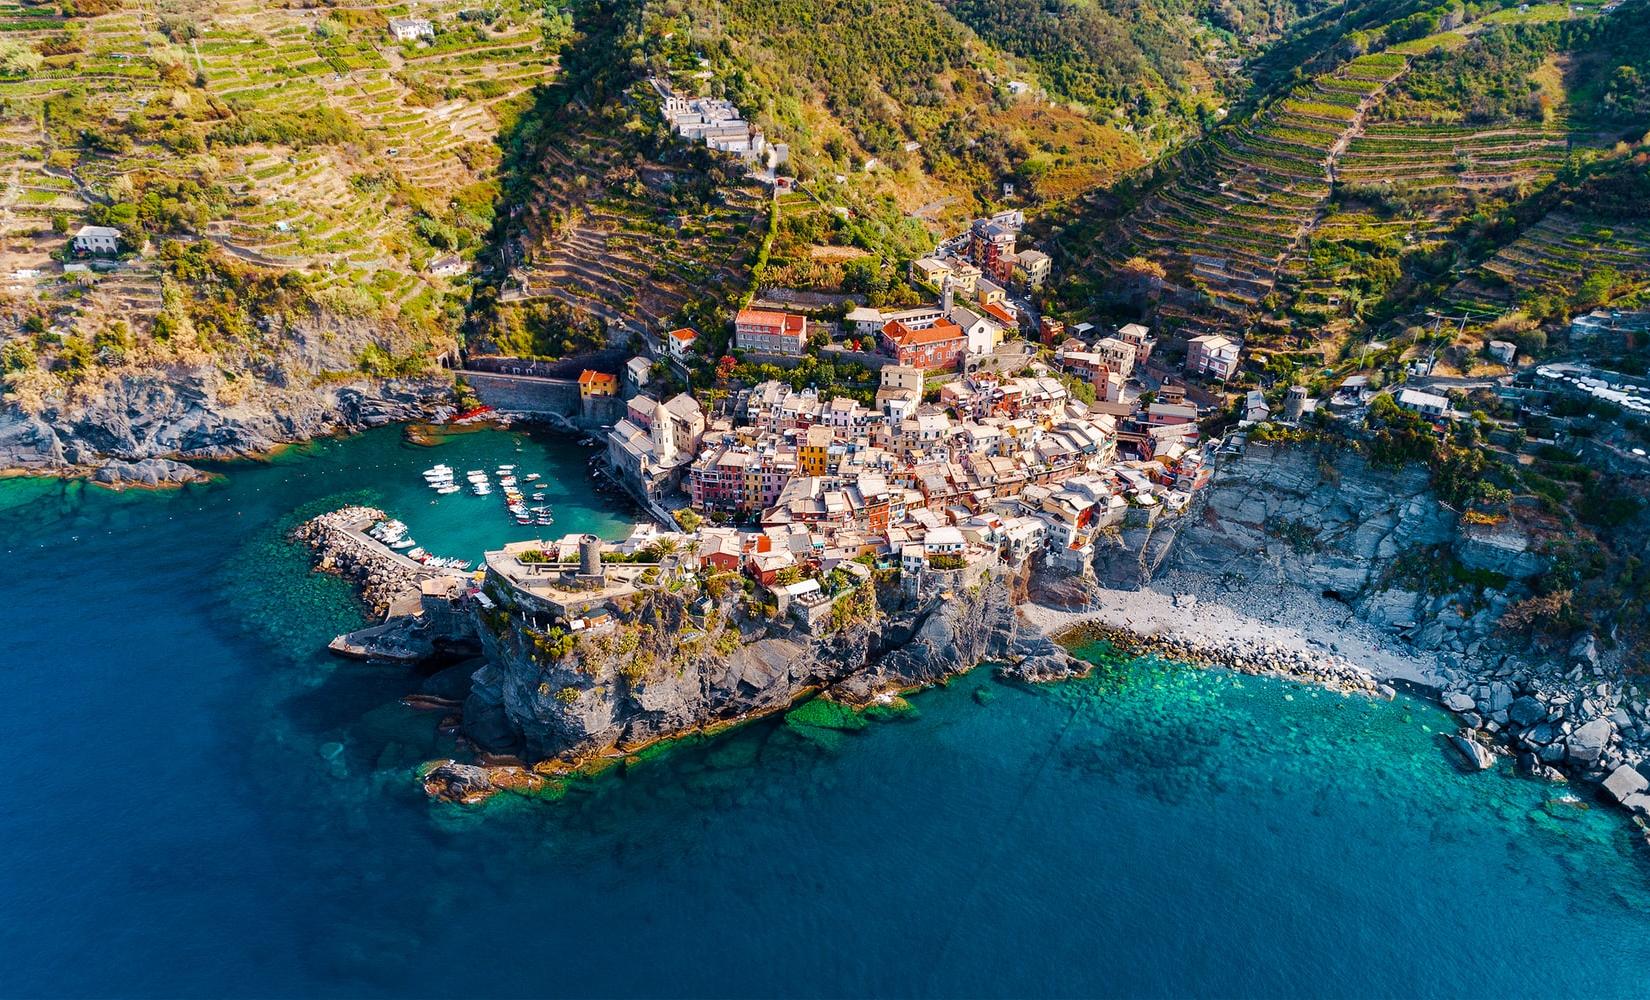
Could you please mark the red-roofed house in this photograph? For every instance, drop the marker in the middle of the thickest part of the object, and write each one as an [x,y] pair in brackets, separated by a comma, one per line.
[998,312]
[770,332]
[939,346]
[681,342]
[594,383]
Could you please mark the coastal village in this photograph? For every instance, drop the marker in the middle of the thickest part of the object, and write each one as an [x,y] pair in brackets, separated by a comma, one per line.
[998,448]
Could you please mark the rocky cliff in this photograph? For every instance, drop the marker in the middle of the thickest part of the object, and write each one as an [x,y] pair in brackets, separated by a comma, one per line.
[1326,524]
[667,668]
[140,420]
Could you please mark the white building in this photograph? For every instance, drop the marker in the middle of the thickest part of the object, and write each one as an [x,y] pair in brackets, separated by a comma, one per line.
[97,239]
[1427,404]
[1212,355]
[411,29]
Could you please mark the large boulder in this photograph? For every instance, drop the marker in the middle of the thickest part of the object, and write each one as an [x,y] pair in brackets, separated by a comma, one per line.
[1526,711]
[1587,744]
[1473,753]
[1625,782]
[1459,701]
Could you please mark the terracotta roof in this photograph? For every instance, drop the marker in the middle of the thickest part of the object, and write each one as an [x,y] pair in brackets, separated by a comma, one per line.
[999,313]
[590,377]
[684,334]
[939,333]
[788,322]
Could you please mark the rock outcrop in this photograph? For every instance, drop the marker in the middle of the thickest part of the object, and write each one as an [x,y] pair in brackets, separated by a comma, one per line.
[661,672]
[1327,524]
[118,428]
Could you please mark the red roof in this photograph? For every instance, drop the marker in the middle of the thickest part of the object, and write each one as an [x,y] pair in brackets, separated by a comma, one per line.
[996,311]
[788,322]
[942,331]
[684,335]
[590,377]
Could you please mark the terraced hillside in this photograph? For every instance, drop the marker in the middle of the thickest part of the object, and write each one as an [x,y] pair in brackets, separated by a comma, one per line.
[1246,199]
[1343,200]
[917,109]
[640,234]
[304,139]
[1562,251]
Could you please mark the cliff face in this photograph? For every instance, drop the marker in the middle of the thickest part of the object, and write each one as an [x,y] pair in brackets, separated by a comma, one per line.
[128,422]
[1330,523]
[661,672]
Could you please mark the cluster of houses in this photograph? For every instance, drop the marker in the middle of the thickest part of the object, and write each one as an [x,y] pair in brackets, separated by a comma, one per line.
[719,125]
[936,337]
[998,468]
[987,251]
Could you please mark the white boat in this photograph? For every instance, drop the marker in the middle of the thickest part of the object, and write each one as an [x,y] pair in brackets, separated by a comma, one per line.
[449,488]
[532,475]
[416,554]
[538,496]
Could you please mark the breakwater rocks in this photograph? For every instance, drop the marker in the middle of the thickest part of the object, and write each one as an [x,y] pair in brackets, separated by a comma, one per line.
[339,547]
[1243,654]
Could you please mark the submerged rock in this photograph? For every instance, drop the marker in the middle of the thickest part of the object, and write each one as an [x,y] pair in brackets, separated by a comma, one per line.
[1475,754]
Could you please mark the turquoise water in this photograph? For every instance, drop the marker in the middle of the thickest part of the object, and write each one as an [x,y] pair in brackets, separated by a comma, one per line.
[200,802]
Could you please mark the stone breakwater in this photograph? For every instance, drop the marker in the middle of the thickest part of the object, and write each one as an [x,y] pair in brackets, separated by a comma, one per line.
[339,548]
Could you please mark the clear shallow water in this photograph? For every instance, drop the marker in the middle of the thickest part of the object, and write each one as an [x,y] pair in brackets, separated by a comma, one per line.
[200,802]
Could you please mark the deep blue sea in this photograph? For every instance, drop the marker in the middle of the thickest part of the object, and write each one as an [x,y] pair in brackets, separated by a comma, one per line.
[199,801]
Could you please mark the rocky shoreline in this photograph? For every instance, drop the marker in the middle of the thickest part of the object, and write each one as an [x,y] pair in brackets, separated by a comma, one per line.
[1230,594]
[142,427]
[1555,723]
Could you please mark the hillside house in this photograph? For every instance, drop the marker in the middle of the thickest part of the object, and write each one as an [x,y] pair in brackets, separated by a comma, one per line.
[411,29]
[1117,355]
[680,343]
[449,266]
[1031,268]
[637,372]
[940,346]
[900,392]
[1212,355]
[594,384]
[1139,338]
[930,271]
[768,332]
[1427,404]
[96,240]
[991,246]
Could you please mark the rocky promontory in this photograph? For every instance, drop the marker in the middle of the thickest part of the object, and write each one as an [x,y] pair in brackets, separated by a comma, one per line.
[297,376]
[672,664]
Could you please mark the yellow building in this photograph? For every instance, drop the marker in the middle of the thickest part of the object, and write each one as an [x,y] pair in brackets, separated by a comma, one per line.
[811,454]
[594,383]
